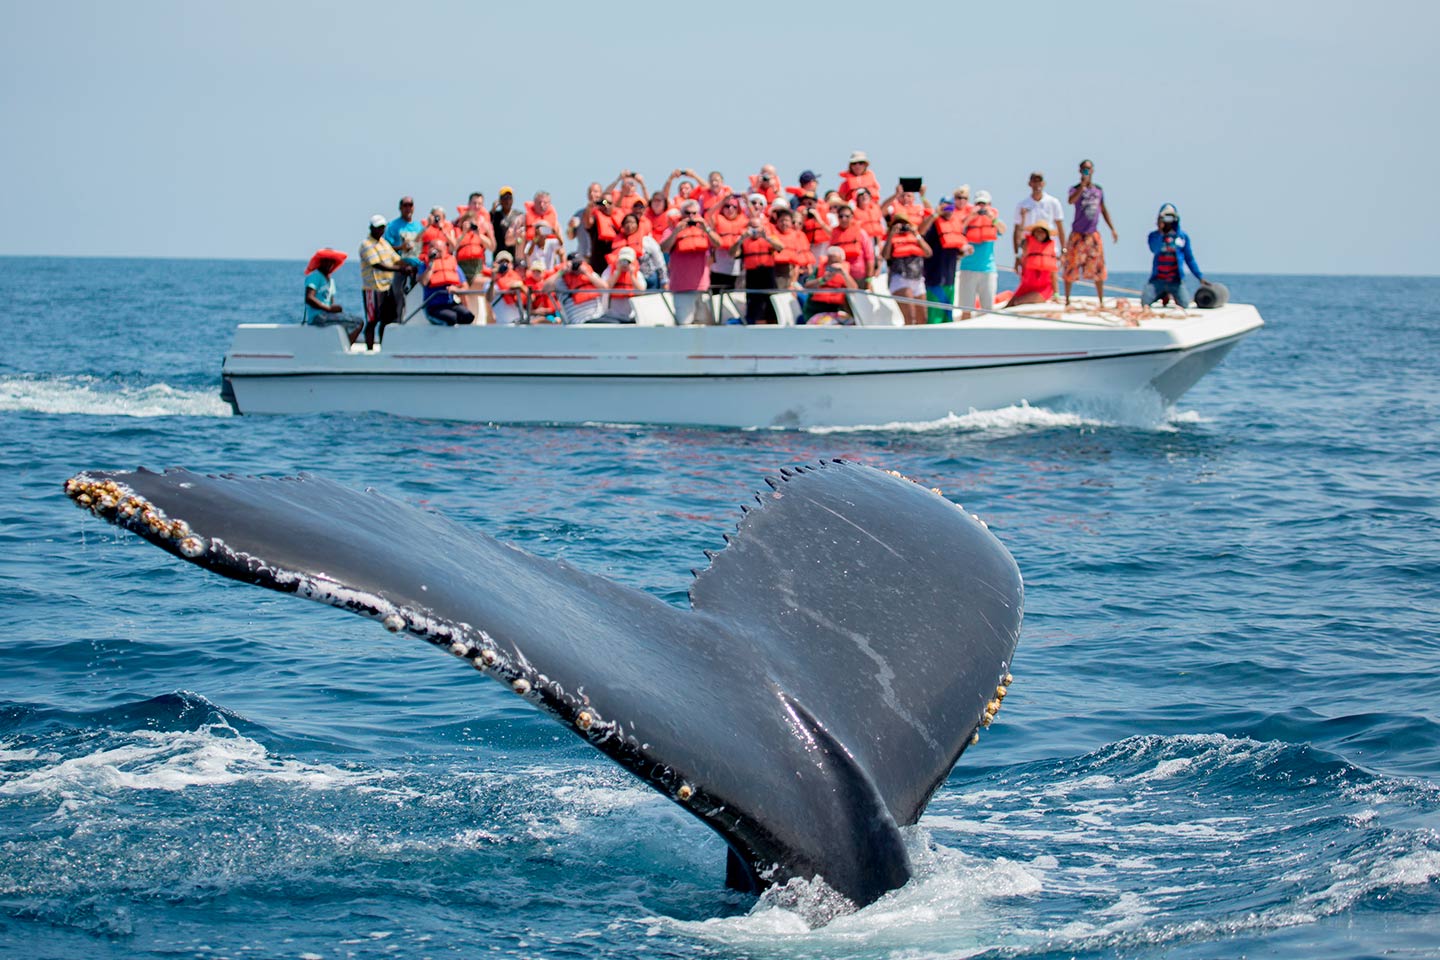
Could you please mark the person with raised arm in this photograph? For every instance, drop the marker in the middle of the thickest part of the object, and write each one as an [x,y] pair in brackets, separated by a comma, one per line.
[756,249]
[1084,253]
[904,252]
[978,272]
[688,247]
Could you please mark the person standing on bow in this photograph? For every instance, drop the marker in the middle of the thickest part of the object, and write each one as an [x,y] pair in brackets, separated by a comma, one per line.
[1036,207]
[1037,266]
[1173,252]
[1085,254]
[977,268]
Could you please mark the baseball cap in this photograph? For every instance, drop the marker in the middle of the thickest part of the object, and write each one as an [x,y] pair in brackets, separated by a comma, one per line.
[505,190]
[378,221]
[627,253]
[983,196]
[806,176]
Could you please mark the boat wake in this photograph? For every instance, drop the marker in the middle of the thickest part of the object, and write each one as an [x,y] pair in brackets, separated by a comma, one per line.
[1137,411]
[91,395]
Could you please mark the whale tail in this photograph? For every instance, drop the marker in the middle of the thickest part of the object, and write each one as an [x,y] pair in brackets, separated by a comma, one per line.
[838,657]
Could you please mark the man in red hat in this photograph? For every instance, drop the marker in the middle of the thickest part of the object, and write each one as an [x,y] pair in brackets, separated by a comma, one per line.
[320,307]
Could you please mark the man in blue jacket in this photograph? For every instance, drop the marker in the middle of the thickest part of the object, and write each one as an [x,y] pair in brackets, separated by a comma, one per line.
[1173,251]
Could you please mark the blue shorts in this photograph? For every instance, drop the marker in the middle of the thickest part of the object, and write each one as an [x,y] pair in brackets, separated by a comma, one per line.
[1155,288]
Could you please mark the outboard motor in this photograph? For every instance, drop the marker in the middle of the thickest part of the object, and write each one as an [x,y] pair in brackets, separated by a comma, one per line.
[1212,296]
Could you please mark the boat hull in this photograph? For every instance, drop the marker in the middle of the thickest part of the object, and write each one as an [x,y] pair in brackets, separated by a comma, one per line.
[779,377]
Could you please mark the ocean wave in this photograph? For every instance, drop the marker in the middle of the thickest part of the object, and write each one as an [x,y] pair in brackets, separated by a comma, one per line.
[95,397]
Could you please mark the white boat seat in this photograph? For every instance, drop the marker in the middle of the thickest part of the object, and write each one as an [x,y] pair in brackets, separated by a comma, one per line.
[652,311]
[787,308]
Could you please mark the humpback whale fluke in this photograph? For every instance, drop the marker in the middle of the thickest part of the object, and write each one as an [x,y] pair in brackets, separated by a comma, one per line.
[839,655]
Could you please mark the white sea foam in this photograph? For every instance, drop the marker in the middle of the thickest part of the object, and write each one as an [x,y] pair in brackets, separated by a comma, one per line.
[172,760]
[86,395]
[1141,410]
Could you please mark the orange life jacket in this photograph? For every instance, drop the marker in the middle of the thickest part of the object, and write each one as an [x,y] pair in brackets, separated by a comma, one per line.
[757,252]
[604,225]
[509,283]
[917,212]
[849,183]
[581,287]
[952,231]
[816,228]
[769,193]
[832,281]
[851,239]
[634,241]
[797,248]
[1040,256]
[691,240]
[905,245]
[980,225]
[444,272]
[541,301]
[728,229]
[660,223]
[871,220]
[532,219]
[622,283]
[432,233]
[471,247]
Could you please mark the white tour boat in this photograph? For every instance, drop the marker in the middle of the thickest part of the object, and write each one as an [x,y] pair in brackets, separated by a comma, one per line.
[785,375]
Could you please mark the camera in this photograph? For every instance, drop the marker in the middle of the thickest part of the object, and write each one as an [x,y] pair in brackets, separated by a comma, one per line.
[503,268]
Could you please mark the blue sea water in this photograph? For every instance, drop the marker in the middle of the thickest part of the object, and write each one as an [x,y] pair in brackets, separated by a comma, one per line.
[1223,739]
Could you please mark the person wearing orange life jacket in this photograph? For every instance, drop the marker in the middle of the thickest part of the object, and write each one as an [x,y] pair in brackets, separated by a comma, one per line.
[543,305]
[766,183]
[506,289]
[729,221]
[868,215]
[945,233]
[688,247]
[437,228]
[963,206]
[857,245]
[914,205]
[857,175]
[795,259]
[473,244]
[757,248]
[625,189]
[624,280]
[710,195]
[600,224]
[831,285]
[660,217]
[904,252]
[540,210]
[809,183]
[576,287]
[1039,261]
[977,268]
[813,218]
[545,247]
[440,280]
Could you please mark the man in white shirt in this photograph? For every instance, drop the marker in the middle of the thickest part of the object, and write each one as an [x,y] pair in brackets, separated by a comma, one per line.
[1037,207]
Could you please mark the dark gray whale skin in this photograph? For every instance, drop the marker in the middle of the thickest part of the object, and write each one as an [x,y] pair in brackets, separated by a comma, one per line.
[841,652]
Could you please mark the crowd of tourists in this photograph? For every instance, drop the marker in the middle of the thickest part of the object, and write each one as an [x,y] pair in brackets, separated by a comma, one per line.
[507,262]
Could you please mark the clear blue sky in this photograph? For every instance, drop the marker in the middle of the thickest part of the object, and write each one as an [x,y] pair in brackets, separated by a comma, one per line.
[1287,132]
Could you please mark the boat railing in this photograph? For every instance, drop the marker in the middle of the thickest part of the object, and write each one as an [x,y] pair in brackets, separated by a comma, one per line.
[726,306]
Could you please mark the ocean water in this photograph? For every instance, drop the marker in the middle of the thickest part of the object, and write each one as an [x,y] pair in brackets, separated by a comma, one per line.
[1223,739]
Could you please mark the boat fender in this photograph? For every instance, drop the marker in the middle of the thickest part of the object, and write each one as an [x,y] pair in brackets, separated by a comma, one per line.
[1212,296]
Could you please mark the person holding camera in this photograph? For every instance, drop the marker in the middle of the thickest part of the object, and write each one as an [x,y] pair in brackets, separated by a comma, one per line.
[505,290]
[1172,254]
[689,246]
[766,183]
[831,285]
[441,280]
[977,268]
[600,224]
[473,244]
[795,260]
[507,223]
[577,288]
[857,245]
[904,252]
[756,249]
